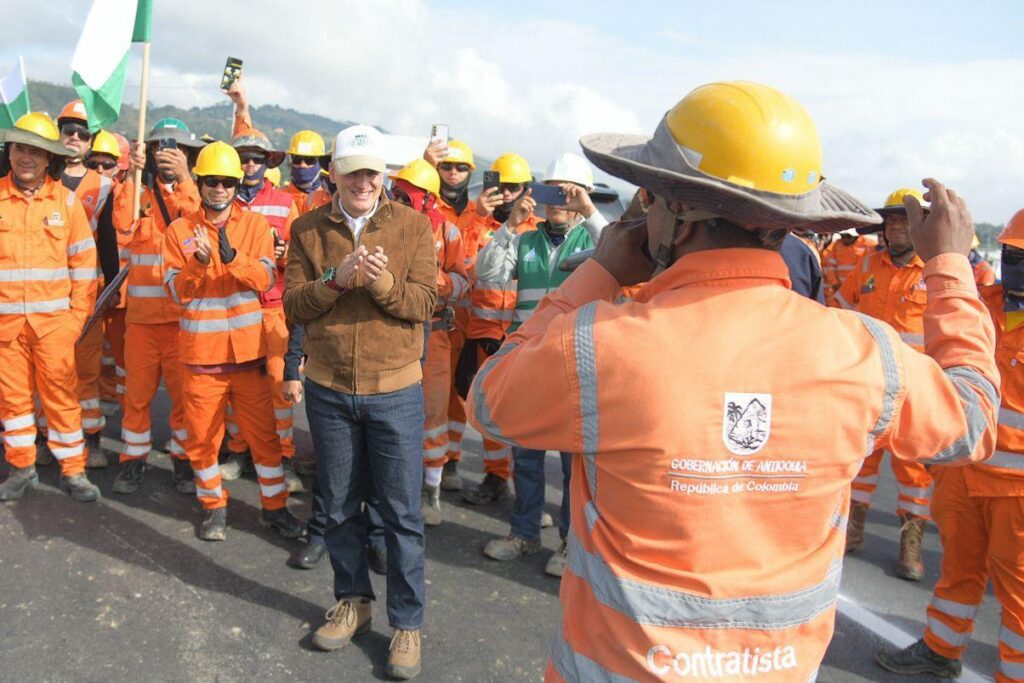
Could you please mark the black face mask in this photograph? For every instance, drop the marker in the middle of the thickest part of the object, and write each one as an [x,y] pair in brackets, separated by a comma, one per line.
[457,196]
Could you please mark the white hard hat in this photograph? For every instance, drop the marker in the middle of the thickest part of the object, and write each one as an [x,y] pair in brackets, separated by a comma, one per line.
[571,168]
[358,147]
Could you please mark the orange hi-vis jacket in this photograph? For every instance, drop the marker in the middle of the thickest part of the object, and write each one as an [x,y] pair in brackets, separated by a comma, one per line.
[47,260]
[221,318]
[1003,474]
[738,432]
[895,294]
[181,200]
[94,191]
[314,200]
[839,259]
[147,302]
[464,222]
[452,277]
[279,209]
[984,275]
[493,303]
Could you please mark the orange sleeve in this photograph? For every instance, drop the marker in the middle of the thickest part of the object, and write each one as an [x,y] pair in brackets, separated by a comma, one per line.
[255,267]
[242,124]
[185,197]
[183,273]
[559,334]
[124,207]
[950,397]
[848,295]
[81,263]
[452,278]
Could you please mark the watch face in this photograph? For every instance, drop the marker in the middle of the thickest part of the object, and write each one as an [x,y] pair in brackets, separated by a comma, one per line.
[328,274]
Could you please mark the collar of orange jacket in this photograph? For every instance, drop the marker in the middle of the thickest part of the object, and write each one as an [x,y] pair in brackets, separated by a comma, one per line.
[48,190]
[916,261]
[746,267]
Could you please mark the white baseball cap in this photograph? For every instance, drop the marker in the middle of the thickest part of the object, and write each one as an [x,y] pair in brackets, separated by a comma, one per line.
[358,147]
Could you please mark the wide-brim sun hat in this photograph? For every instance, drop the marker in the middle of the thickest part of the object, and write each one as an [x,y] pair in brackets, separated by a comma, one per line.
[741,151]
[256,141]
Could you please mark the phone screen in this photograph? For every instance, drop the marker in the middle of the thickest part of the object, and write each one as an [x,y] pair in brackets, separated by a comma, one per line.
[232,70]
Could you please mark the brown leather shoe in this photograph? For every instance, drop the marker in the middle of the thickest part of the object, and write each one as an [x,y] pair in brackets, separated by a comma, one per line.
[404,655]
[910,566]
[855,527]
[350,617]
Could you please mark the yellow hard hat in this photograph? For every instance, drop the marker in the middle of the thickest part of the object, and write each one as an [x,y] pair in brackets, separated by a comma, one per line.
[36,129]
[894,202]
[105,143]
[420,173]
[975,242]
[512,168]
[459,153]
[307,143]
[273,175]
[219,159]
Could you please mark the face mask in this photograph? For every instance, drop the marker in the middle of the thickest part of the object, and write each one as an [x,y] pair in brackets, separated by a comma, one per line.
[558,228]
[304,177]
[217,207]
[1013,286]
[248,192]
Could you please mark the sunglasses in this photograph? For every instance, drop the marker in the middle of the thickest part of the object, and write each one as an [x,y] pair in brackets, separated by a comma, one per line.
[96,163]
[248,157]
[448,166]
[304,161]
[73,130]
[511,187]
[217,181]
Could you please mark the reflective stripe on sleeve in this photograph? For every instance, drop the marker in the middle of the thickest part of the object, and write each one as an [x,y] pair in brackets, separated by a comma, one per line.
[966,380]
[892,378]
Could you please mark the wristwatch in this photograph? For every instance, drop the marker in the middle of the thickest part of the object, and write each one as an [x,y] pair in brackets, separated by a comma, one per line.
[328,279]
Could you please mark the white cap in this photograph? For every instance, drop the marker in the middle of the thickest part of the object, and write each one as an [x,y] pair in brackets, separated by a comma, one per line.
[571,168]
[358,147]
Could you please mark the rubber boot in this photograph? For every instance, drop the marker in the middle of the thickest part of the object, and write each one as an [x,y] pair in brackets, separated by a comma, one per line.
[910,566]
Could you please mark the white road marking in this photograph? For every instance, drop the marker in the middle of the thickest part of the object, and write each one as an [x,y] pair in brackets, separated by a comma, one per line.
[891,633]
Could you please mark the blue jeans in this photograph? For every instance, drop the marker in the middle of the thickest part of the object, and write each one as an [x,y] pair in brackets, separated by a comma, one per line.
[371,446]
[528,477]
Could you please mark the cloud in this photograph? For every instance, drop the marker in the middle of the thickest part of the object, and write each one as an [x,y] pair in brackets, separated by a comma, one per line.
[507,82]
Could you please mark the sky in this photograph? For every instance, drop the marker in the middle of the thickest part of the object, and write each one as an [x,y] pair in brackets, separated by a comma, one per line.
[898,91]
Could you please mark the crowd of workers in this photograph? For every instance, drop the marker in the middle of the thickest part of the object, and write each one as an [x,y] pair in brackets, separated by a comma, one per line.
[674,356]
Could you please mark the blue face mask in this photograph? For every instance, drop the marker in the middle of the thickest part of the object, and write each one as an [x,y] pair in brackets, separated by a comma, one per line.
[305,177]
[248,192]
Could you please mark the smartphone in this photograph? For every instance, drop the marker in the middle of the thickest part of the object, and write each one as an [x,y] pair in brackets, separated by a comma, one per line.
[232,70]
[439,131]
[168,143]
[551,195]
[491,179]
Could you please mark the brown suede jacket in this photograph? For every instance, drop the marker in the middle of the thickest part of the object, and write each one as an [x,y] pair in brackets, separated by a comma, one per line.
[367,339]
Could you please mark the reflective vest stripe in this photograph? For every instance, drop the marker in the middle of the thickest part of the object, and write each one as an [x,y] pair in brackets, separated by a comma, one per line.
[1006,460]
[481,410]
[223,303]
[81,245]
[573,666]
[25,307]
[222,324]
[146,259]
[967,380]
[912,338]
[586,375]
[892,378]
[271,210]
[1011,418]
[34,274]
[147,292]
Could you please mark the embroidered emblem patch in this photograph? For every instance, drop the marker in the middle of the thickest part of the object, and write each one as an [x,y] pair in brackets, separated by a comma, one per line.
[55,219]
[868,286]
[746,422]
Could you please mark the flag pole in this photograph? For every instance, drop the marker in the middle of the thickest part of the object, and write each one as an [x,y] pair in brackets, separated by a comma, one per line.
[143,93]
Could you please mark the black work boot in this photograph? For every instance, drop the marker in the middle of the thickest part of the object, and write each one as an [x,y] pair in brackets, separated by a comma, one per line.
[44,456]
[919,659]
[96,457]
[283,522]
[450,479]
[493,488]
[215,525]
[308,555]
[131,476]
[17,481]
[80,488]
[183,476]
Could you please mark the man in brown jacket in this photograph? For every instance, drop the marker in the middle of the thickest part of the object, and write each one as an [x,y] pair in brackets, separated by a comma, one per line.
[361,277]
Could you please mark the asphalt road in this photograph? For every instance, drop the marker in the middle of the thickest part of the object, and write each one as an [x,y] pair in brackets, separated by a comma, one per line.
[124,590]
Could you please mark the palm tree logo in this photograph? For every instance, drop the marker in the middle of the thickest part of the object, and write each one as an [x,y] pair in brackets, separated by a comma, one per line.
[747,420]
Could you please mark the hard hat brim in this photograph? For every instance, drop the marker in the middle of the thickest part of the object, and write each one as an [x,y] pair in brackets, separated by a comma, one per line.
[24,137]
[275,157]
[656,164]
[180,136]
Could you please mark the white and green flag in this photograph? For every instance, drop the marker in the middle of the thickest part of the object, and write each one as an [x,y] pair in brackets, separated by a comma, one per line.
[101,58]
[14,93]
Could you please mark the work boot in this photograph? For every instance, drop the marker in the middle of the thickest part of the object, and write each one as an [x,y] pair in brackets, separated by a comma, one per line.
[450,479]
[350,617]
[283,522]
[97,457]
[919,659]
[377,558]
[215,525]
[44,456]
[910,566]
[291,480]
[130,478]
[183,476]
[109,408]
[855,527]
[308,555]
[237,464]
[493,488]
[546,520]
[404,655]
[304,467]
[17,481]
[80,488]
[556,563]
[431,506]
[510,547]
